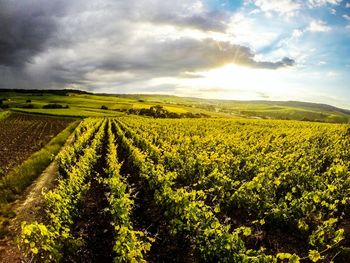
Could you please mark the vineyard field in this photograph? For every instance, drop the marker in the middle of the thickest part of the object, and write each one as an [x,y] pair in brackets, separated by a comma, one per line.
[190,131]
[134,189]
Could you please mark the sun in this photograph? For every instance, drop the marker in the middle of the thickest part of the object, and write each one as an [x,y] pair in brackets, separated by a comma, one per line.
[234,81]
[230,76]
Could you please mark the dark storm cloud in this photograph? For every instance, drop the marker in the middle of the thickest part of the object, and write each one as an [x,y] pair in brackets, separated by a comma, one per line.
[285,62]
[25,26]
[54,44]
[185,55]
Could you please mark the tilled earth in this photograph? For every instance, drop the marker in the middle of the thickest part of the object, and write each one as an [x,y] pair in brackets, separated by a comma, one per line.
[22,134]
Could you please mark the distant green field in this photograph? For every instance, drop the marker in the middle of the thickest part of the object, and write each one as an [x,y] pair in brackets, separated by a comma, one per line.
[80,105]
[89,105]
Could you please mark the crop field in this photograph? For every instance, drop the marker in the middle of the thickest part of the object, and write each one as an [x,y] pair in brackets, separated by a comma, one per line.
[135,189]
[23,134]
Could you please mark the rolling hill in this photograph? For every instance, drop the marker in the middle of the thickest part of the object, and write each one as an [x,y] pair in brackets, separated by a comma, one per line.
[83,104]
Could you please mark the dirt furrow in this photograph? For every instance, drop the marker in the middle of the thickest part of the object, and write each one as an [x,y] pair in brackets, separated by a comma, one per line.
[147,215]
[93,226]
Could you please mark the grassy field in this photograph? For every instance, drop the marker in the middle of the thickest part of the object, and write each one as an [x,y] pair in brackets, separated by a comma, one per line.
[89,105]
[80,105]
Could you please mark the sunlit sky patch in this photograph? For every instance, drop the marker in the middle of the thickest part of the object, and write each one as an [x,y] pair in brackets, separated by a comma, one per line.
[222,49]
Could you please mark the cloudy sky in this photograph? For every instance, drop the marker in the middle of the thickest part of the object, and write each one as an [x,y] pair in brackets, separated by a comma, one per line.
[248,49]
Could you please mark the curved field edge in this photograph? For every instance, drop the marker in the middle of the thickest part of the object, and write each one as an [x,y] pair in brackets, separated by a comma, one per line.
[14,183]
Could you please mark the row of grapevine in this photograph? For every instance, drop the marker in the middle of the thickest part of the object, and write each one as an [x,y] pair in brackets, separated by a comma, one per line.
[45,242]
[130,245]
[82,135]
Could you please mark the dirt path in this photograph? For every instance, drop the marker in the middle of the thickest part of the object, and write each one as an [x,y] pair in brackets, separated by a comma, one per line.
[28,208]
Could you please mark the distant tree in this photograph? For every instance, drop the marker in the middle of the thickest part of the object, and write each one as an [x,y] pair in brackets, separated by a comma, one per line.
[158,111]
[28,101]
[55,106]
[104,107]
[2,105]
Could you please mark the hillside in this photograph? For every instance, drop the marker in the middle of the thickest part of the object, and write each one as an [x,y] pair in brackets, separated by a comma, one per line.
[83,104]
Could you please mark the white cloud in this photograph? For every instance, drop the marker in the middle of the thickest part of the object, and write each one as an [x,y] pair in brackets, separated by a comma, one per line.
[347,5]
[248,31]
[318,26]
[319,3]
[284,7]
[333,11]
[297,33]
[332,74]
[291,7]
[347,17]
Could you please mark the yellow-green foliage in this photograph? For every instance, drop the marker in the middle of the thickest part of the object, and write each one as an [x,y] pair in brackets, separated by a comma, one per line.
[277,172]
[61,203]
[4,114]
[39,243]
[274,173]
[130,245]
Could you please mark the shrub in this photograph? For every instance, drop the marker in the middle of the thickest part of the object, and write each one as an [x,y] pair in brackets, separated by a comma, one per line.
[55,106]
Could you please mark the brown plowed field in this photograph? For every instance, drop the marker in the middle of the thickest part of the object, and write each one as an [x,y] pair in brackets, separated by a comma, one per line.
[22,134]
